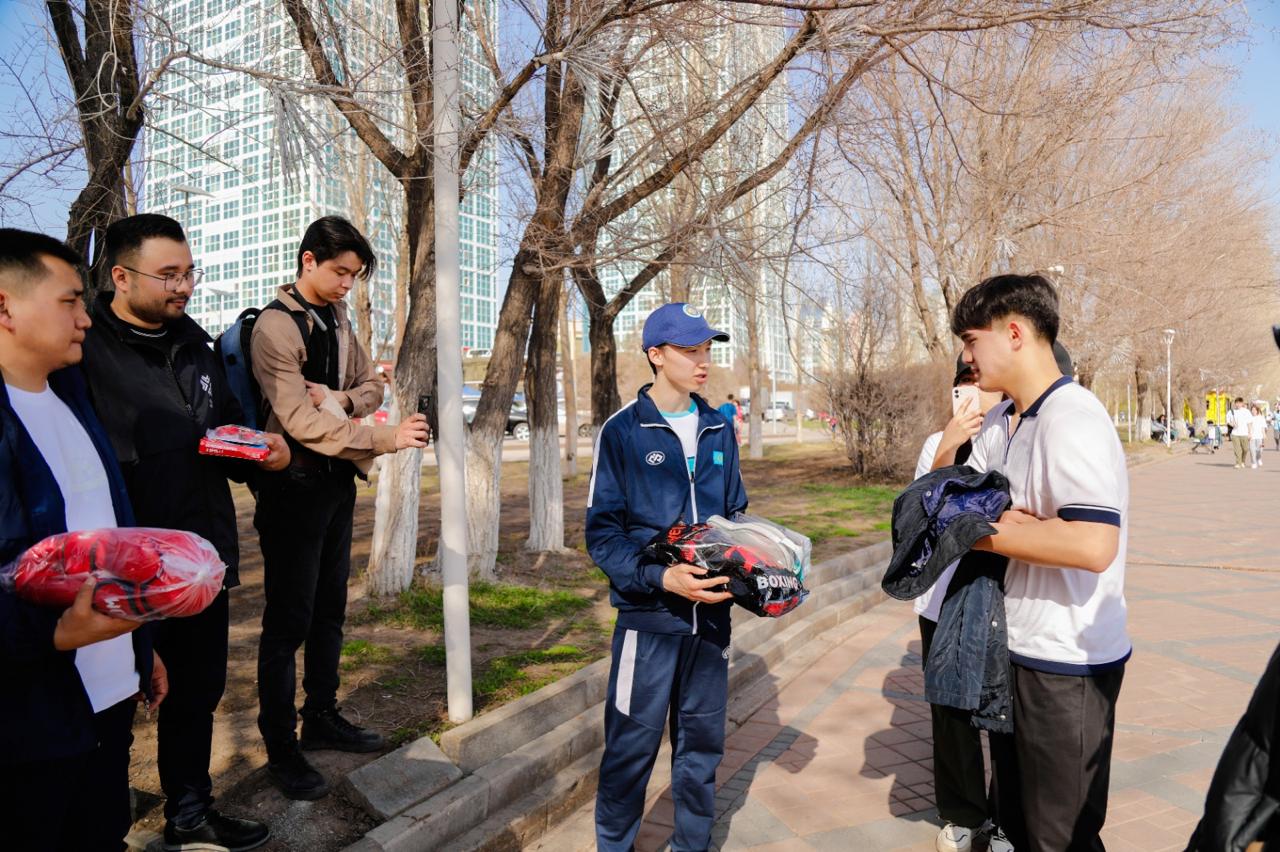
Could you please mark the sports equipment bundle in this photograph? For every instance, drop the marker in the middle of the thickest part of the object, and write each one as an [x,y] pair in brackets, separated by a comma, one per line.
[765,563]
[139,574]
[236,442]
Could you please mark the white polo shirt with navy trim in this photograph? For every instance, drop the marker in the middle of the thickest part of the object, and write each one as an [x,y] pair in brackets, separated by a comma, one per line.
[1064,460]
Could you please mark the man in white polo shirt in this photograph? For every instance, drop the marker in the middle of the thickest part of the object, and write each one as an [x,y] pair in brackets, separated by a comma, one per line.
[1065,538]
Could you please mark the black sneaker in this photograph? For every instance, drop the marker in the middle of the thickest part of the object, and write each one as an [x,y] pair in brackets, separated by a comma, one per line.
[295,777]
[328,730]
[216,833]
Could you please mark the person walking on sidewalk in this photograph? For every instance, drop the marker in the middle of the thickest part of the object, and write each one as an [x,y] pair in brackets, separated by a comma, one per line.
[1065,540]
[1238,419]
[1257,434]
[157,386]
[316,381]
[664,457]
[961,793]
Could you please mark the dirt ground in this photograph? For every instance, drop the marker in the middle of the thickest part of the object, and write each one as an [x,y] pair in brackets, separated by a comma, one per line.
[393,674]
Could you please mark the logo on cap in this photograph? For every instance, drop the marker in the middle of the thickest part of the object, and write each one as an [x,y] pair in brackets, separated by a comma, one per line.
[691,311]
[656,458]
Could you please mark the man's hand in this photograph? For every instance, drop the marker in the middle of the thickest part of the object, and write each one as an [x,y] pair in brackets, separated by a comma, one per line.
[82,625]
[964,425]
[412,432]
[317,393]
[159,684]
[278,455]
[685,580]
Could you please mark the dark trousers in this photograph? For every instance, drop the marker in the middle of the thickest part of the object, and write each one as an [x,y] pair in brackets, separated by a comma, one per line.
[960,787]
[73,804]
[304,527]
[658,680]
[1064,726]
[194,650]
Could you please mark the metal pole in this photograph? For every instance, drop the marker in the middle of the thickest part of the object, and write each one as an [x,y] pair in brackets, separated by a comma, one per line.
[1168,394]
[1128,405]
[451,440]
[773,396]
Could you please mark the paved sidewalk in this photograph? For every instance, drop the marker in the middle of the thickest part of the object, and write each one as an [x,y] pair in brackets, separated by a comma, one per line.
[841,760]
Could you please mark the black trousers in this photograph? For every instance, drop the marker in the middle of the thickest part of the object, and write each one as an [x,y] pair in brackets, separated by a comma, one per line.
[194,651]
[73,804]
[304,527]
[960,786]
[1064,726]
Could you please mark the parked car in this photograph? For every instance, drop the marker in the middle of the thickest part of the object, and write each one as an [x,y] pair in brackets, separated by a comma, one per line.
[778,411]
[517,417]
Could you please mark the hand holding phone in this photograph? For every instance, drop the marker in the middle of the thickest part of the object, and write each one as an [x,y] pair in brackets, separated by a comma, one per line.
[962,394]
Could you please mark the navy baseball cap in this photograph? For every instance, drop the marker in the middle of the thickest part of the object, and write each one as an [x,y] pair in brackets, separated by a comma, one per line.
[679,324]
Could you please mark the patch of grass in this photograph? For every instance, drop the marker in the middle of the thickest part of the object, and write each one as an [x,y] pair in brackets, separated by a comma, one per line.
[509,677]
[408,733]
[492,605]
[358,652]
[842,511]
[394,681]
[431,654]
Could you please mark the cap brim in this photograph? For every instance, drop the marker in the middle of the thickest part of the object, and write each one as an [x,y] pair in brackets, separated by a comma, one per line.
[700,338]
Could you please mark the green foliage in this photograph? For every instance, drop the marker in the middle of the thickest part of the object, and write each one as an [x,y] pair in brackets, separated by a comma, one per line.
[836,509]
[432,655]
[492,605]
[509,677]
[359,652]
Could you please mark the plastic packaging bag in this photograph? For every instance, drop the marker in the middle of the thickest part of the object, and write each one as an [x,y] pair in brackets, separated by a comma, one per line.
[765,563]
[140,574]
[237,442]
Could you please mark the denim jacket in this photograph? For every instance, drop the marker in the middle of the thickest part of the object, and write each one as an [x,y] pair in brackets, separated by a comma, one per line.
[936,521]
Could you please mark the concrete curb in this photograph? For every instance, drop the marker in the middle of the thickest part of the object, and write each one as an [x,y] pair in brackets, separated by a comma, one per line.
[532,761]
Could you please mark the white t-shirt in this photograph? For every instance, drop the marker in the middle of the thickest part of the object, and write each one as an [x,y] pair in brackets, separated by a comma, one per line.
[1239,419]
[685,425]
[107,669]
[1257,427]
[1063,461]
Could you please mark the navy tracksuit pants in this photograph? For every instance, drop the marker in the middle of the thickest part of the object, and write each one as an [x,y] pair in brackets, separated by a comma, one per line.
[659,679]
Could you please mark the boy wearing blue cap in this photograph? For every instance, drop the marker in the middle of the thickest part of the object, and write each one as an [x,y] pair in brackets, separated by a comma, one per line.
[666,457]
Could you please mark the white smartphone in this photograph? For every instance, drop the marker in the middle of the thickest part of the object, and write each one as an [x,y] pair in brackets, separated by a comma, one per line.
[961,393]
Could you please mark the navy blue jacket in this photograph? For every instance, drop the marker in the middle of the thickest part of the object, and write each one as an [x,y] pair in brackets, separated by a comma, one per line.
[44,710]
[641,486]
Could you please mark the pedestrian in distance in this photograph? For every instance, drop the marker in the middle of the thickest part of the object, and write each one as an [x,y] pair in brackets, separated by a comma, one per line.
[664,457]
[158,387]
[316,382]
[72,677]
[1065,541]
[1238,423]
[1257,434]
[729,408]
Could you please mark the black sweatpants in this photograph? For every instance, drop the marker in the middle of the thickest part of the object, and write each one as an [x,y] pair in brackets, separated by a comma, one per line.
[73,804]
[304,528]
[1064,726]
[959,772]
[195,653]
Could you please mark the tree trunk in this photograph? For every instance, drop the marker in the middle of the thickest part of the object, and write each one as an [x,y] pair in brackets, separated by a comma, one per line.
[1143,420]
[604,367]
[393,552]
[546,490]
[568,369]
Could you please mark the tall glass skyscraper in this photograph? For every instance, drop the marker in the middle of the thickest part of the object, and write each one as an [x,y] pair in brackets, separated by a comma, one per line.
[245,164]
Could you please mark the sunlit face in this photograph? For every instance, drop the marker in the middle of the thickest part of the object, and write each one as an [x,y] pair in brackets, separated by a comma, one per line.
[140,280]
[989,352]
[684,367]
[47,320]
[330,280]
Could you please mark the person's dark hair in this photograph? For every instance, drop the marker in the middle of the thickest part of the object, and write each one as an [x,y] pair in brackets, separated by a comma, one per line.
[22,256]
[1240,400]
[125,236]
[731,397]
[1031,296]
[330,236]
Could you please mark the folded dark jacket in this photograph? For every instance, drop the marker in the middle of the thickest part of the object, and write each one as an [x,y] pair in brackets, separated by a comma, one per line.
[936,521]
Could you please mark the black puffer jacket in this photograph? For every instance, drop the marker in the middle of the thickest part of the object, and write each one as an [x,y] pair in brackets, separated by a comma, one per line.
[156,399]
[1243,803]
[936,521]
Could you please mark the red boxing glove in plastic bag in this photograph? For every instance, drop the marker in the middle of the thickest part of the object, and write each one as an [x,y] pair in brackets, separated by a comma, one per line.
[139,574]
[236,442]
[765,563]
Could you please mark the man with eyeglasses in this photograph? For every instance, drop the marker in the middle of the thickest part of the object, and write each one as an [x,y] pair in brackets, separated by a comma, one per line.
[157,387]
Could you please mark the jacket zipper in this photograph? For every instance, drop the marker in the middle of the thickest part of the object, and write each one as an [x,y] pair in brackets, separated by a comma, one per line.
[173,374]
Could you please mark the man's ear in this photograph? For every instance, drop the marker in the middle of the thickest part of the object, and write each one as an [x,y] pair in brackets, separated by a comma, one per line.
[1017,333]
[655,355]
[6,318]
[120,278]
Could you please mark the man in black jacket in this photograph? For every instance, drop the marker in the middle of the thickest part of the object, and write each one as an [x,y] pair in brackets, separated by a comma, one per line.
[157,387]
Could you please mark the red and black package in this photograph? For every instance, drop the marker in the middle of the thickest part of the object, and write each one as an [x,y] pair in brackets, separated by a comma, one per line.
[139,574]
[236,442]
[764,563]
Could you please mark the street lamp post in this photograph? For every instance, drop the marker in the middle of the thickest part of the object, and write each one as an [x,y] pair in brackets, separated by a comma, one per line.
[1168,388]
[222,293]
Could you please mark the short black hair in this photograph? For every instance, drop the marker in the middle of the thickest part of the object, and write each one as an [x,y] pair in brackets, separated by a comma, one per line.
[125,236]
[1031,296]
[22,256]
[330,236]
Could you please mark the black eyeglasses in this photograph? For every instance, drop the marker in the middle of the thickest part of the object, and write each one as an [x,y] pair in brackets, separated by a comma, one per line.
[172,279]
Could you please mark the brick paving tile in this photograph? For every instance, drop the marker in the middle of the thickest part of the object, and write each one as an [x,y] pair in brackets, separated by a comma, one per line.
[859,775]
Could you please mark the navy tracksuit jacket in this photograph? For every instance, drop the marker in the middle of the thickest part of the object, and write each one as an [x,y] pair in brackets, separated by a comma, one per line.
[670,655]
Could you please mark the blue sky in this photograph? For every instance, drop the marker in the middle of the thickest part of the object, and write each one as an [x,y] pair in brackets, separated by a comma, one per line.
[1255,91]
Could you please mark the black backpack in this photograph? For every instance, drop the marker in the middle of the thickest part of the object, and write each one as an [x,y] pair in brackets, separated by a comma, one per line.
[233,350]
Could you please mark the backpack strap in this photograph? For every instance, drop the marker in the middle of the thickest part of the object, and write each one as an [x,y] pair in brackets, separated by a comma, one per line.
[299,319]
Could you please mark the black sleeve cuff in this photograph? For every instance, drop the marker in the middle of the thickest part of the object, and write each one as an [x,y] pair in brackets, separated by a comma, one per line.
[1092,514]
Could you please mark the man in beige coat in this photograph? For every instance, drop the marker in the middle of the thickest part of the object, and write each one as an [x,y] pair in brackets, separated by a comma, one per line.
[316,383]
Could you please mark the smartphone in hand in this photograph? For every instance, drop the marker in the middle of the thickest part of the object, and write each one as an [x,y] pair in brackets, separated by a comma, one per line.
[961,393]
[427,408]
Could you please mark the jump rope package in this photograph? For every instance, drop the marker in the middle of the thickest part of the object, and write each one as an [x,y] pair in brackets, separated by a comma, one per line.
[236,442]
[765,562]
[139,574]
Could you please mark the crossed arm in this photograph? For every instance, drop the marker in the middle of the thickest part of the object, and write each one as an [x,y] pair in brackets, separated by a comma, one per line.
[1086,545]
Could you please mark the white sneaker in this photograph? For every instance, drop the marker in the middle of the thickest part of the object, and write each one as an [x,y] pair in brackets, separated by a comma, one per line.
[954,838]
[997,842]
